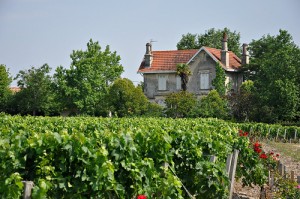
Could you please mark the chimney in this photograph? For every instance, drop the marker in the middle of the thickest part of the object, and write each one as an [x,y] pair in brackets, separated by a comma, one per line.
[148,55]
[245,55]
[224,51]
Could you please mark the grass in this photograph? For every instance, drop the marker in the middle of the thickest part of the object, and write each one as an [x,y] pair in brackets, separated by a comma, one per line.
[287,149]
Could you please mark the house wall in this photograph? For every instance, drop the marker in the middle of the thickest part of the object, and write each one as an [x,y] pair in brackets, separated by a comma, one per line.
[151,88]
[235,79]
[202,63]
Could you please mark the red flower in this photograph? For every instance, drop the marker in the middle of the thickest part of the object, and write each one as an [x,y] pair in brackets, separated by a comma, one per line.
[141,197]
[271,153]
[257,150]
[246,134]
[240,131]
[256,144]
[263,156]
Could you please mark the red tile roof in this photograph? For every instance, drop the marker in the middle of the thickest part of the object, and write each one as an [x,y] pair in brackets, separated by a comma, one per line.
[15,89]
[167,60]
[234,62]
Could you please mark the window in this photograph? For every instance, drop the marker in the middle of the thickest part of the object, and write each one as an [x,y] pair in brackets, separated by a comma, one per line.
[178,82]
[162,82]
[204,80]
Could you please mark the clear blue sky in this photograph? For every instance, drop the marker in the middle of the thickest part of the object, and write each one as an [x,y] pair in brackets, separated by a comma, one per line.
[34,32]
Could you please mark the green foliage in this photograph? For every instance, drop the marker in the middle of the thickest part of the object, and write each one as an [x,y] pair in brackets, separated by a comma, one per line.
[5,93]
[180,104]
[36,95]
[184,72]
[127,100]
[251,169]
[242,103]
[211,38]
[219,81]
[274,69]
[286,188]
[84,87]
[153,110]
[213,105]
[86,157]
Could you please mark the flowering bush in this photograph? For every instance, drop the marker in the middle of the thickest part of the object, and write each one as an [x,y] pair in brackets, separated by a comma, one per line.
[250,167]
[253,162]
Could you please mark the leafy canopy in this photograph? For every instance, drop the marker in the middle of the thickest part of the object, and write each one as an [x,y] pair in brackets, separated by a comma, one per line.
[213,105]
[36,95]
[180,104]
[127,100]
[211,38]
[275,71]
[5,81]
[84,86]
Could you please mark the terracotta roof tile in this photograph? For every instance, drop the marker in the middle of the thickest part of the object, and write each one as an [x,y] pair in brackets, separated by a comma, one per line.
[167,60]
[234,62]
[15,89]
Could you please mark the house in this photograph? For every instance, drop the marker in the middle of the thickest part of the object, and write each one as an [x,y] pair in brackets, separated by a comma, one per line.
[159,69]
[15,89]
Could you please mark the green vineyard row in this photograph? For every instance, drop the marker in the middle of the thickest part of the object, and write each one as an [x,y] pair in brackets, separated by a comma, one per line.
[87,157]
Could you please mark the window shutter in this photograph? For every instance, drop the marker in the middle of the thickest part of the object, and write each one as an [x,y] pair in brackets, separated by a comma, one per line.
[162,82]
[204,80]
[178,83]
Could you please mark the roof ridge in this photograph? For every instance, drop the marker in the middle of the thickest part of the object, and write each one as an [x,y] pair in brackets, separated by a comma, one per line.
[173,50]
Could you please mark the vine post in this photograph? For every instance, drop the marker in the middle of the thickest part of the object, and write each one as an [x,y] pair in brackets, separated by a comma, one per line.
[232,171]
[28,185]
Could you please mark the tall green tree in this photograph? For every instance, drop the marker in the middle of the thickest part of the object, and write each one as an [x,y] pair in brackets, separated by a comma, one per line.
[84,86]
[127,100]
[275,70]
[211,38]
[5,92]
[184,72]
[36,95]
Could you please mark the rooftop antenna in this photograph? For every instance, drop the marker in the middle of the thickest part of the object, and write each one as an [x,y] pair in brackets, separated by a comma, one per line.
[151,41]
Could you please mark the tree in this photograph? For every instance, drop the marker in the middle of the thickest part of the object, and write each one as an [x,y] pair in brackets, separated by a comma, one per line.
[184,72]
[36,95]
[127,100]
[5,92]
[213,105]
[242,103]
[219,81]
[180,104]
[211,38]
[274,69]
[84,86]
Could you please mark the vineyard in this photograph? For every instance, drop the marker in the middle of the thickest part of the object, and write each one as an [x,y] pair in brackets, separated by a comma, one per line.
[88,157]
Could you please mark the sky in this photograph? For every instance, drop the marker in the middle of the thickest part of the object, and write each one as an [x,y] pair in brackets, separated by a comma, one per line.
[35,32]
